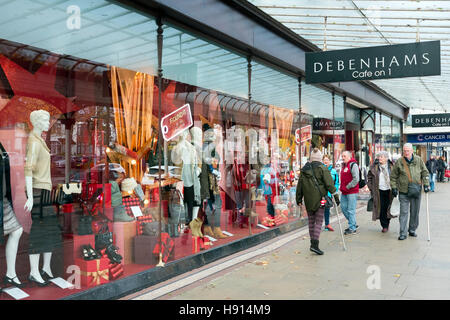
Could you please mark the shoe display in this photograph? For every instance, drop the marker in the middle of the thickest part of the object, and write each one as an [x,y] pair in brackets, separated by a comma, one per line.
[45,276]
[218,233]
[92,252]
[208,231]
[86,253]
[10,281]
[33,280]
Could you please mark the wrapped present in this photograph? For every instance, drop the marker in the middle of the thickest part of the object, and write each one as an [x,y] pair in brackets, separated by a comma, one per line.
[268,221]
[93,272]
[130,202]
[167,247]
[200,243]
[115,270]
[124,233]
[140,221]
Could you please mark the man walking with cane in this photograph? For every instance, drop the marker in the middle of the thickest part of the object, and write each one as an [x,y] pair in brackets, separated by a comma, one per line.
[407,177]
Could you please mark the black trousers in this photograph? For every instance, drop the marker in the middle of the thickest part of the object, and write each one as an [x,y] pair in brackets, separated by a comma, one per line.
[384,204]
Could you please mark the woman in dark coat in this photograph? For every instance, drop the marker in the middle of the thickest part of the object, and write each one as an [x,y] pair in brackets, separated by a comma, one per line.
[378,181]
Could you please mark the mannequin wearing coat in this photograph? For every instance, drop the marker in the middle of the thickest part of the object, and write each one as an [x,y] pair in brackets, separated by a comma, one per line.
[185,154]
[45,234]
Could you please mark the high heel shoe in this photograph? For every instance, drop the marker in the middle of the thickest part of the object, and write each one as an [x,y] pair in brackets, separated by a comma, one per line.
[94,254]
[45,276]
[7,280]
[33,280]
[87,255]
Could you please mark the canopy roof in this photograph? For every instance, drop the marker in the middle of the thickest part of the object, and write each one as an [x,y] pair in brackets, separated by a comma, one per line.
[345,24]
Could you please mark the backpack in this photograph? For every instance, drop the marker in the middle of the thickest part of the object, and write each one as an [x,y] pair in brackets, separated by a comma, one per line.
[362,181]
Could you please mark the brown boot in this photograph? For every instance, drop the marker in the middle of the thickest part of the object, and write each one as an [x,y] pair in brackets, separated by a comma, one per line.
[196,227]
[218,233]
[208,231]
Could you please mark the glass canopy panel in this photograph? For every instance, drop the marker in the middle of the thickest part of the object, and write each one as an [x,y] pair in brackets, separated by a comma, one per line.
[345,24]
[107,33]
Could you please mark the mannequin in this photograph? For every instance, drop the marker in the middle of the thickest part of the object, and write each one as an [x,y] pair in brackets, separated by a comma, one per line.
[45,233]
[9,224]
[185,154]
[210,184]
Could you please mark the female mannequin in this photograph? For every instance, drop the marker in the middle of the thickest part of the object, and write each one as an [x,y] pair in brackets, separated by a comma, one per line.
[9,223]
[45,234]
[185,153]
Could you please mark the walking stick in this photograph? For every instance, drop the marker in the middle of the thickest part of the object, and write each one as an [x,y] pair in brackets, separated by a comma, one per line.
[339,221]
[428,217]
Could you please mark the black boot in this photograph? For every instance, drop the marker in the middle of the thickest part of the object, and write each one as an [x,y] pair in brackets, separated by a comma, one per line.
[315,247]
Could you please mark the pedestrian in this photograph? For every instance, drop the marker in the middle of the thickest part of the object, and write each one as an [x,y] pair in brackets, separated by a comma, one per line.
[441,166]
[349,188]
[378,181]
[432,169]
[327,162]
[314,183]
[400,185]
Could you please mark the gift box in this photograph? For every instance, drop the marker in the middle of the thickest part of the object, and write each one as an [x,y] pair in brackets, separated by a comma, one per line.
[129,202]
[124,234]
[280,219]
[200,243]
[93,272]
[115,271]
[73,247]
[143,249]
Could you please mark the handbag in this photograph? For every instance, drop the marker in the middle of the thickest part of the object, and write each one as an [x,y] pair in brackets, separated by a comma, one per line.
[447,174]
[326,201]
[85,225]
[370,205]
[414,189]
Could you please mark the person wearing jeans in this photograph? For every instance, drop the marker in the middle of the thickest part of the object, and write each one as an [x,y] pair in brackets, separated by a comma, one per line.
[350,189]
[327,162]
[432,167]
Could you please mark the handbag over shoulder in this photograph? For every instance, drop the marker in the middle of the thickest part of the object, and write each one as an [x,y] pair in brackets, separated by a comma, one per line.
[414,189]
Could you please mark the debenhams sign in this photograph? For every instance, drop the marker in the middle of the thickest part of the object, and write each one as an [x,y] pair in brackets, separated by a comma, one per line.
[394,61]
[431,120]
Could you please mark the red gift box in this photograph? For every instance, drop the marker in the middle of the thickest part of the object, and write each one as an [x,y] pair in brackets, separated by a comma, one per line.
[93,272]
[129,202]
[199,243]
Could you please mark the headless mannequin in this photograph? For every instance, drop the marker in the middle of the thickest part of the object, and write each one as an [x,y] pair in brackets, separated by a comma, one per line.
[11,249]
[40,125]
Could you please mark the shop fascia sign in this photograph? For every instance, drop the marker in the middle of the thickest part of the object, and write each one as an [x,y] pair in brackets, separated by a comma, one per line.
[428,137]
[372,63]
[327,124]
[431,120]
[176,122]
[303,134]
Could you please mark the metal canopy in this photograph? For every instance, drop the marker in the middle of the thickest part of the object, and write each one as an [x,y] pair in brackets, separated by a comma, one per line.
[343,24]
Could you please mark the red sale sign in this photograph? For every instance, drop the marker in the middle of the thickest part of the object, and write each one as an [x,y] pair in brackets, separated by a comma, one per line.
[303,134]
[176,122]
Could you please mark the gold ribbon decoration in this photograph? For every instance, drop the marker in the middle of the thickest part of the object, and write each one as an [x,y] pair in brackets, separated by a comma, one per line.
[96,275]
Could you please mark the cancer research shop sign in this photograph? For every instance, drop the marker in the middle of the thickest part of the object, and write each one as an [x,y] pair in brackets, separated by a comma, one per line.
[383,62]
[431,120]
[428,137]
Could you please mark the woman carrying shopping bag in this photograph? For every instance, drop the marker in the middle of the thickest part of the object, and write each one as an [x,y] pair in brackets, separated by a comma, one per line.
[378,181]
[327,162]
[314,183]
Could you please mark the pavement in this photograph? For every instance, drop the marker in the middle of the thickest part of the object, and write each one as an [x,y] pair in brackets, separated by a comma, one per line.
[375,266]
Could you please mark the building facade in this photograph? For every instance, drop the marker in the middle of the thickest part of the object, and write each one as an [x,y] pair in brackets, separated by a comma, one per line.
[135,205]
